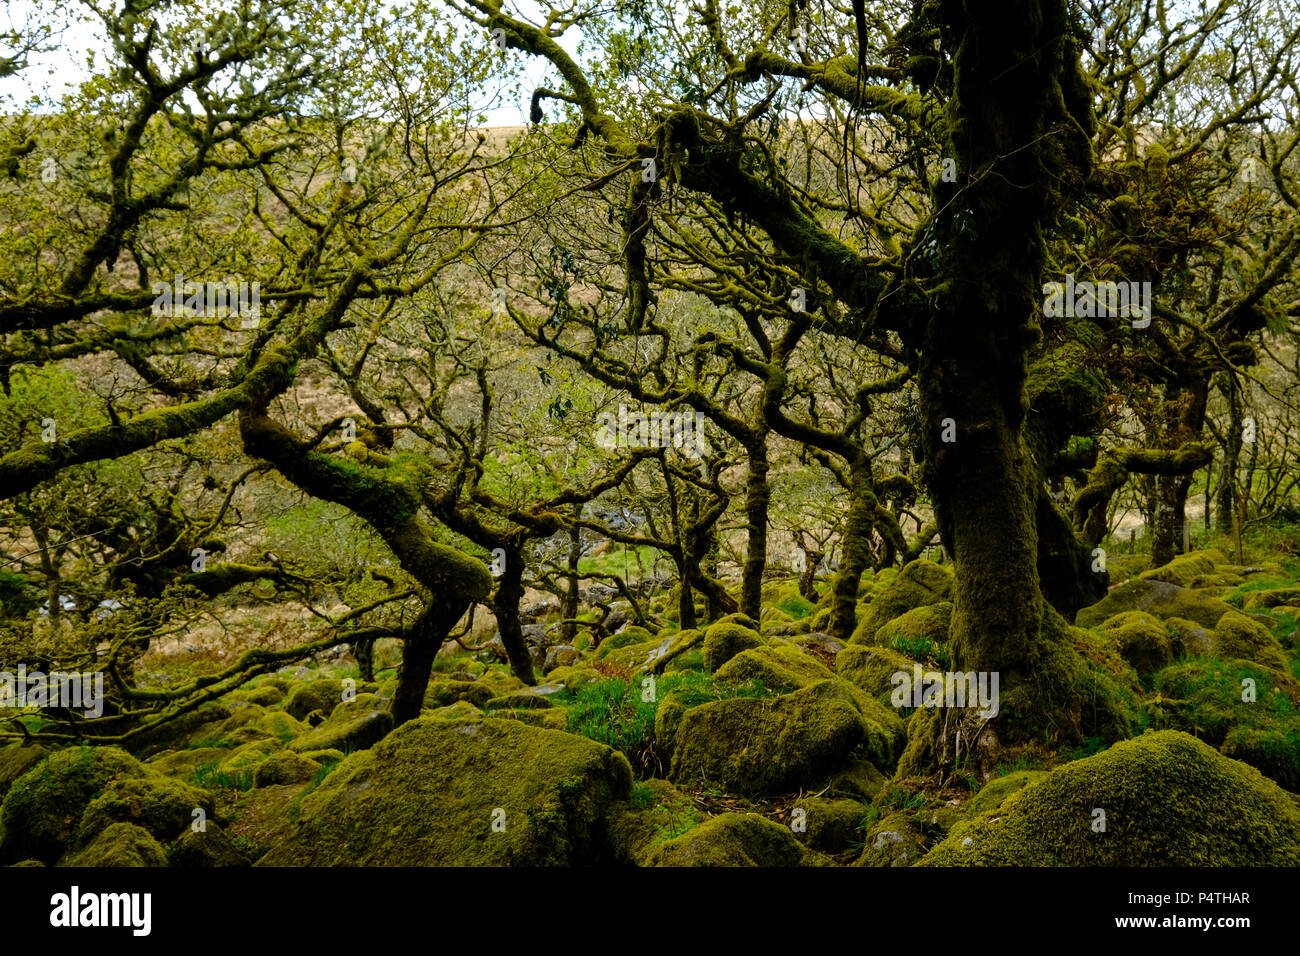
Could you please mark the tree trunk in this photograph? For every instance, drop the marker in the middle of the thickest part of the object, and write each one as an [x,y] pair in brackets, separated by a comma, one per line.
[757,498]
[858,528]
[1224,506]
[505,604]
[569,612]
[419,649]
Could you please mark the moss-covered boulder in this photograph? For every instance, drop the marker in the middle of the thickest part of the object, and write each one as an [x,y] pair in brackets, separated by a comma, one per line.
[895,840]
[779,665]
[555,718]
[462,793]
[724,640]
[181,764]
[283,767]
[207,848]
[323,694]
[280,726]
[1237,635]
[266,695]
[632,634]
[1186,568]
[734,839]
[122,844]
[872,668]
[16,760]
[461,710]
[162,806]
[653,656]
[921,633]
[347,729]
[657,812]
[1188,639]
[39,816]
[919,584]
[1159,598]
[441,693]
[770,745]
[1168,800]
[1276,597]
[243,760]
[1143,640]
[830,825]
[993,793]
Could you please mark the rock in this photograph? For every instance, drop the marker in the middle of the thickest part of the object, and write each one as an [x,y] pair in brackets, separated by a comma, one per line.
[1142,639]
[1259,600]
[210,847]
[553,718]
[920,583]
[1238,636]
[872,668]
[756,746]
[430,793]
[39,816]
[442,693]
[461,710]
[1169,800]
[993,793]
[349,730]
[243,760]
[724,640]
[778,665]
[918,633]
[122,844]
[893,841]
[1186,568]
[284,767]
[1187,638]
[1159,598]
[524,699]
[160,805]
[832,826]
[16,760]
[561,655]
[267,695]
[537,610]
[821,643]
[734,839]
[322,694]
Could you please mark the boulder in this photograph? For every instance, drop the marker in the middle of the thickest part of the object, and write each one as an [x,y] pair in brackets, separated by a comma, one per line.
[560,655]
[1168,799]
[122,844]
[160,805]
[724,640]
[1187,638]
[209,847]
[1260,600]
[16,760]
[462,793]
[920,633]
[322,694]
[1238,636]
[734,839]
[1142,639]
[872,668]
[831,826]
[1186,568]
[1158,598]
[284,767]
[919,584]
[352,729]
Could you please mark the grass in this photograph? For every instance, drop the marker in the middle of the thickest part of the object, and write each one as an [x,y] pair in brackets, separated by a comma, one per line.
[208,777]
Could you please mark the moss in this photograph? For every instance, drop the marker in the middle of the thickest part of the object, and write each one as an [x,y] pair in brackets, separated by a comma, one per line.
[245,758]
[267,695]
[15,761]
[1159,598]
[1169,800]
[122,844]
[210,847]
[461,710]
[756,746]
[350,729]
[1187,638]
[1237,635]
[993,793]
[321,694]
[40,812]
[284,767]
[181,764]
[872,668]
[444,692]
[832,826]
[280,726]
[919,584]
[656,813]
[1186,568]
[1142,639]
[895,840]
[162,806]
[921,633]
[724,640]
[779,665]
[734,839]
[1262,600]
[554,718]
[654,655]
[573,676]
[633,634]
[428,794]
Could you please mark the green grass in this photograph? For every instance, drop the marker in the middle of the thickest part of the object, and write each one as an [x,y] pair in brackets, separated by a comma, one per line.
[208,777]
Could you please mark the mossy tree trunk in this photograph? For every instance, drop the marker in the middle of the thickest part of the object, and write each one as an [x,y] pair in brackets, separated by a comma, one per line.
[855,550]
[758,495]
[505,604]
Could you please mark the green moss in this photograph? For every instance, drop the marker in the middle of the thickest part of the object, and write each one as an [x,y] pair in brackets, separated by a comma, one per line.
[1142,639]
[210,847]
[734,839]
[284,767]
[1239,636]
[872,668]
[1158,598]
[756,746]
[41,810]
[1186,568]
[895,840]
[346,729]
[921,633]
[780,665]
[919,584]
[15,761]
[321,694]
[554,718]
[267,695]
[162,806]
[657,813]
[1169,800]
[1187,638]
[461,710]
[724,640]
[245,758]
[832,826]
[444,692]
[122,844]
[429,793]
[993,793]
[280,726]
